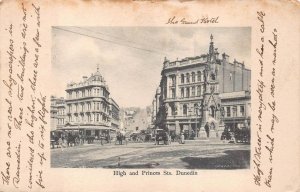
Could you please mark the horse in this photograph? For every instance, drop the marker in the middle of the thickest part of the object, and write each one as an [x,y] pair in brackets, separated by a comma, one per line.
[72,140]
[120,138]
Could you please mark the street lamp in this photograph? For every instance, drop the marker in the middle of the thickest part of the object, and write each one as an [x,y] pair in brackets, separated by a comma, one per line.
[190,115]
[197,114]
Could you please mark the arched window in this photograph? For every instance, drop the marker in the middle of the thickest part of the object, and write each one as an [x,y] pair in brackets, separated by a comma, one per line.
[199,76]
[173,110]
[212,111]
[182,92]
[193,91]
[187,77]
[182,78]
[184,110]
[187,92]
[193,77]
[198,90]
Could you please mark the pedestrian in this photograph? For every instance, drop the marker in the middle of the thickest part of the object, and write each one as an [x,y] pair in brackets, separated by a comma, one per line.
[60,143]
[101,138]
[108,138]
[80,139]
[206,127]
[64,141]
[182,138]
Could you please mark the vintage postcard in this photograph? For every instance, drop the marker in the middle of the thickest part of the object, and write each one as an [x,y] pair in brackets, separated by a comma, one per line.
[149,96]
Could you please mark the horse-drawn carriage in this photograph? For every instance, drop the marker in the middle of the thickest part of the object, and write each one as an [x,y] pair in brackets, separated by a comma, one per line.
[54,138]
[236,135]
[60,138]
[162,135]
[121,138]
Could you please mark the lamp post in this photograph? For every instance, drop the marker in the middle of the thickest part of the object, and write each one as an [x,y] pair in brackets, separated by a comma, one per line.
[197,114]
[190,115]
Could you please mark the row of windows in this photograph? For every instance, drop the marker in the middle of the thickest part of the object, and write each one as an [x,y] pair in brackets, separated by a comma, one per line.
[234,111]
[185,110]
[228,111]
[60,121]
[186,92]
[195,109]
[88,118]
[83,107]
[188,78]
[88,93]
[191,91]
[61,112]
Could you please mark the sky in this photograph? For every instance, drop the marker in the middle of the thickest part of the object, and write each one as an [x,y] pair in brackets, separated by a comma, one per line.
[131,58]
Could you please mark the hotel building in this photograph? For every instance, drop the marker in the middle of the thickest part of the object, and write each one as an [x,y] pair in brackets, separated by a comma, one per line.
[200,89]
[89,108]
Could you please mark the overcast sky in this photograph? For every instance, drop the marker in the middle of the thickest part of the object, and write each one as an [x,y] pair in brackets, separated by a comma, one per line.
[130,58]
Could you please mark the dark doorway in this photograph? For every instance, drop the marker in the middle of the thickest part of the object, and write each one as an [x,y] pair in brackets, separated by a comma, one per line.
[88,132]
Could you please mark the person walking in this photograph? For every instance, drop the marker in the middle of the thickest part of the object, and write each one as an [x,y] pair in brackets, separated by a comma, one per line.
[108,138]
[182,138]
[60,143]
[206,127]
[101,137]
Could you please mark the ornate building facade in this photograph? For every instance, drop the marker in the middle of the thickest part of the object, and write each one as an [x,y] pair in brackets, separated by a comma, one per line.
[89,108]
[201,89]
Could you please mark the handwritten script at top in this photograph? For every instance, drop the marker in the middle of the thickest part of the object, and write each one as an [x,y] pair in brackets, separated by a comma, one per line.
[184,21]
[25,104]
[265,93]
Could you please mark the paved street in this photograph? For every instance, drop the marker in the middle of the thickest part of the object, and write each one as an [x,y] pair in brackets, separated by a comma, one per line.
[192,155]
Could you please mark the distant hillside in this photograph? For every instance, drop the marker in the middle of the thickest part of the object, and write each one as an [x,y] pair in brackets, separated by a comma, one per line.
[133,117]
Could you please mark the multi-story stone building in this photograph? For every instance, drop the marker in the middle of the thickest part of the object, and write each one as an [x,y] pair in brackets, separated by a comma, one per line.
[201,89]
[155,107]
[57,111]
[115,114]
[236,108]
[89,109]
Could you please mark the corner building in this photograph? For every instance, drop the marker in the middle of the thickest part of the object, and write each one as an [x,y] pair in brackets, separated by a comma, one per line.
[205,88]
[89,107]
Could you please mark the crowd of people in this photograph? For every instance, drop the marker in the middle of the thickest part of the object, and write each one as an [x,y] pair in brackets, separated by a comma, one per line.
[69,139]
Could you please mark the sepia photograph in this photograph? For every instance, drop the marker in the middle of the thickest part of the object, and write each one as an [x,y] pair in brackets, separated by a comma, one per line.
[146,95]
[151,97]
